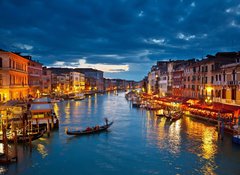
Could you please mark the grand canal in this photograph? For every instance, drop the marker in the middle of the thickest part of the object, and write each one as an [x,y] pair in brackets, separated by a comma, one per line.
[137,143]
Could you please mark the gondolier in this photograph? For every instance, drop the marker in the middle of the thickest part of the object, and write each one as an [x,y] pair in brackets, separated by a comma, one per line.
[106,121]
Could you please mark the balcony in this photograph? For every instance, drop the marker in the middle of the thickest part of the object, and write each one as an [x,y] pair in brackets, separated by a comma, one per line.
[233,82]
[218,83]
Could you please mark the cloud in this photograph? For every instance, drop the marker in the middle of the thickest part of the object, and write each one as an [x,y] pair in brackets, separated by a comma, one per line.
[158,41]
[234,24]
[185,37]
[118,32]
[234,10]
[110,68]
[141,13]
[23,46]
[193,4]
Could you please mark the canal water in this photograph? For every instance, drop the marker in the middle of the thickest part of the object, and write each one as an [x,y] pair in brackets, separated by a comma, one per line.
[137,143]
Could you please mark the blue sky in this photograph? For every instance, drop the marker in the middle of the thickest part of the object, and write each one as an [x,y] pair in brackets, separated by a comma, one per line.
[124,38]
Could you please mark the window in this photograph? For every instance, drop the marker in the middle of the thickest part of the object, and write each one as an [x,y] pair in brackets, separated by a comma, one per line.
[224,76]
[1,82]
[216,77]
[220,77]
[212,67]
[206,68]
[212,79]
[234,75]
[224,94]
[1,64]
[194,69]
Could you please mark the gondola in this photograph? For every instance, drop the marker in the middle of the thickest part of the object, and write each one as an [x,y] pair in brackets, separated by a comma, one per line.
[175,117]
[160,115]
[91,131]
[236,139]
[27,138]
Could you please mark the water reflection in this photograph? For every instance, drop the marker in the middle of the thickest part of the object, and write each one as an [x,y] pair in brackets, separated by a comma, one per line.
[42,150]
[175,137]
[3,170]
[199,139]
[139,142]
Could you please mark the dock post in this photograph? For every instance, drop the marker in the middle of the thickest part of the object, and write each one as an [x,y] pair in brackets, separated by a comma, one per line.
[218,126]
[30,142]
[222,130]
[57,123]
[52,122]
[5,142]
[48,128]
[15,145]
[37,125]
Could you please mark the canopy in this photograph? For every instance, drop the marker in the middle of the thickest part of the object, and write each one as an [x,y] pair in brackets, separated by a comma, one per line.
[40,108]
[42,100]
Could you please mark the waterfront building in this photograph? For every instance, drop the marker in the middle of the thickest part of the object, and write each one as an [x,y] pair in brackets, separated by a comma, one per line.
[227,84]
[94,79]
[13,76]
[211,74]
[107,84]
[153,80]
[129,84]
[164,77]
[163,82]
[144,84]
[76,82]
[177,86]
[34,77]
[46,81]
[90,85]
[61,84]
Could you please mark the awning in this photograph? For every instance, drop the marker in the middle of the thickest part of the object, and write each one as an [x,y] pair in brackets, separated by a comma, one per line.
[42,100]
[41,108]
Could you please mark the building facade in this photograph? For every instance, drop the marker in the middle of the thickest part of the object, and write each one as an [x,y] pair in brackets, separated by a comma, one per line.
[46,81]
[34,77]
[13,76]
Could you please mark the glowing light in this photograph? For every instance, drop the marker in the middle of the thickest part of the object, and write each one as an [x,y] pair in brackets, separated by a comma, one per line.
[209,89]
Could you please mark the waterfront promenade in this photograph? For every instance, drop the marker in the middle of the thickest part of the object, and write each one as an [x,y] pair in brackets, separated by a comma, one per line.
[137,143]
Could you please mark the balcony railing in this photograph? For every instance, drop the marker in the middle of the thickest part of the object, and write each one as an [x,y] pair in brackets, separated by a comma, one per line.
[233,82]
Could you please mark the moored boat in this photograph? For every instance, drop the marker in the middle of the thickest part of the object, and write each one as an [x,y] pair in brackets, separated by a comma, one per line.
[23,139]
[175,117]
[236,139]
[160,115]
[93,130]
[56,100]
[79,96]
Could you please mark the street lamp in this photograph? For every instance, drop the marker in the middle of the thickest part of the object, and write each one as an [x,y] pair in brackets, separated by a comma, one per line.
[208,101]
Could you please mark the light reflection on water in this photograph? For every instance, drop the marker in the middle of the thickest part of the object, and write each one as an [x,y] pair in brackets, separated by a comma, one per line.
[137,143]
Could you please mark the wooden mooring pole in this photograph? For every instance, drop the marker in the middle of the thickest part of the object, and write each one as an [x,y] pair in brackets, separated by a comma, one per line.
[15,145]
[5,143]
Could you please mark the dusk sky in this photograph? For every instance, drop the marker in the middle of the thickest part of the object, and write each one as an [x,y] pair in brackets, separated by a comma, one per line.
[123,38]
